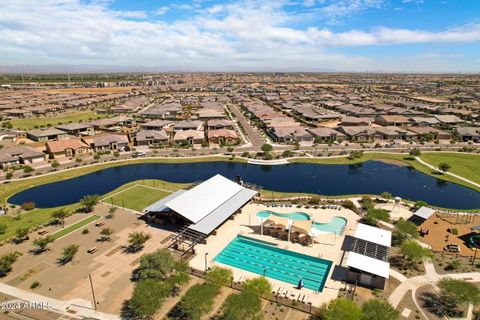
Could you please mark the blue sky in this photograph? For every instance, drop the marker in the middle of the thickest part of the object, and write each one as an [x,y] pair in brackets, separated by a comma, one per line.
[254,35]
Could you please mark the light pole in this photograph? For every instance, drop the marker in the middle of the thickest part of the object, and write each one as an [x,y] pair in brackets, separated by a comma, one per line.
[93,291]
[206,262]
[290,224]
[261,226]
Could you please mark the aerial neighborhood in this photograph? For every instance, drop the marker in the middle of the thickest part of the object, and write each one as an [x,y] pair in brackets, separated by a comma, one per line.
[276,196]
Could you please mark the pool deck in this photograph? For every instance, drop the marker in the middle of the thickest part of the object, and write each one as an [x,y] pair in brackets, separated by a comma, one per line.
[327,246]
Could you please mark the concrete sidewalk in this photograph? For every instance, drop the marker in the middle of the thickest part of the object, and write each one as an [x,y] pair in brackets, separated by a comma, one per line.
[73,307]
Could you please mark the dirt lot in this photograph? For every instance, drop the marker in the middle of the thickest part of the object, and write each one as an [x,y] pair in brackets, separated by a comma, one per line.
[438,236]
[407,302]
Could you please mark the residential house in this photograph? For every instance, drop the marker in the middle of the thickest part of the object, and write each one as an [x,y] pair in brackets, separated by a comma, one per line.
[289,134]
[77,129]
[156,125]
[326,135]
[353,121]
[206,114]
[151,137]
[448,119]
[188,125]
[468,133]
[16,155]
[67,148]
[189,136]
[107,142]
[223,136]
[434,133]
[47,134]
[359,133]
[392,120]
[423,121]
[219,124]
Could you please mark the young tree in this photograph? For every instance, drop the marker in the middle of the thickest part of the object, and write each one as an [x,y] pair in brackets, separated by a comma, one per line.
[414,252]
[196,302]
[22,233]
[340,308]
[106,233]
[6,262]
[386,195]
[407,227]
[28,169]
[3,228]
[244,306]
[415,152]
[374,215]
[147,298]
[55,164]
[267,147]
[69,253]
[259,286]
[89,201]
[42,243]
[60,215]
[375,309]
[157,265]
[444,167]
[219,277]
[136,240]
[454,292]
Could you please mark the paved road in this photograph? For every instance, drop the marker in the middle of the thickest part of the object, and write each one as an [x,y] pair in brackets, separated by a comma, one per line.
[252,135]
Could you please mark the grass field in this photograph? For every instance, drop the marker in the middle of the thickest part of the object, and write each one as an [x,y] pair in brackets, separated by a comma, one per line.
[30,219]
[137,197]
[464,165]
[30,123]
[74,227]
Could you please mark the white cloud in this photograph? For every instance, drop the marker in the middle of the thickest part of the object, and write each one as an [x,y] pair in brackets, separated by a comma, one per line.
[252,35]
[132,14]
[162,10]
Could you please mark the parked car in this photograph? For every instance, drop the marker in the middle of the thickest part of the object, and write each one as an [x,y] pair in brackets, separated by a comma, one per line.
[138,154]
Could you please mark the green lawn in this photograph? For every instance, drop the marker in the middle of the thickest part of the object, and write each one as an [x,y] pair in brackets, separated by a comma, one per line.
[30,123]
[30,219]
[74,227]
[464,165]
[137,197]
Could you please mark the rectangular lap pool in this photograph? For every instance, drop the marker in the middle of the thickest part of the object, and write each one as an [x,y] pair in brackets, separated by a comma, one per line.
[284,265]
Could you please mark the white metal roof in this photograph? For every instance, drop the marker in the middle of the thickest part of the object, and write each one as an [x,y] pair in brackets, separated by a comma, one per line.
[159,206]
[373,234]
[367,264]
[424,212]
[223,212]
[200,201]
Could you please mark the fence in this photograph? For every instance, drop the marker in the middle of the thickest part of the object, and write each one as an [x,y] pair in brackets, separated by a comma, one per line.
[276,298]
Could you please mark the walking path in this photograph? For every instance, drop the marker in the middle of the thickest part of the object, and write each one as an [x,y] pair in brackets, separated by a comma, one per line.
[449,173]
[430,277]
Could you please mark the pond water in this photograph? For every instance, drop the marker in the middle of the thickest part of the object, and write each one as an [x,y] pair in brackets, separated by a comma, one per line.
[371,177]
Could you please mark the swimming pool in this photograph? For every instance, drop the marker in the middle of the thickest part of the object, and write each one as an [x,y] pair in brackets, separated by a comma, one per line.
[293,215]
[336,225]
[284,265]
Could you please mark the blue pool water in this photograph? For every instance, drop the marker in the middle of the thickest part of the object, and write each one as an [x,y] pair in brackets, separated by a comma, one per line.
[284,265]
[293,216]
[336,225]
